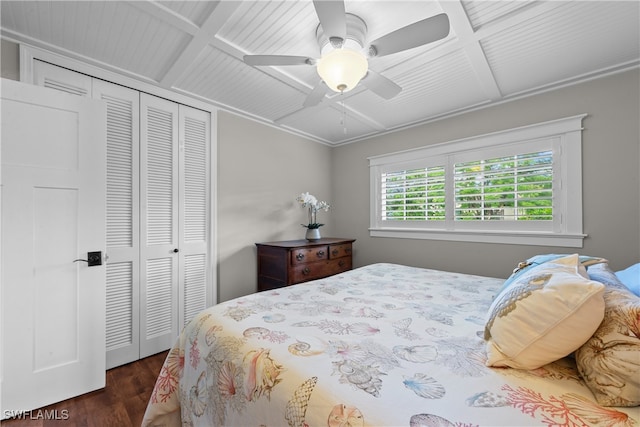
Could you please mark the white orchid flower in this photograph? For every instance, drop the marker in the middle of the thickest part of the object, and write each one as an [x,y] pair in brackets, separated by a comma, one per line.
[310,201]
[307,199]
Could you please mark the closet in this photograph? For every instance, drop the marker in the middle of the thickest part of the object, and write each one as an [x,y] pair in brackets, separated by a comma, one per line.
[158,212]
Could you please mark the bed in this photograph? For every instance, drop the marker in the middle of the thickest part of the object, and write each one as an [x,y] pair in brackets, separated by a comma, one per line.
[380,345]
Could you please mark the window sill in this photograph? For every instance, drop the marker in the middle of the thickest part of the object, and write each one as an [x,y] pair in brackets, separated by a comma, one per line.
[508,237]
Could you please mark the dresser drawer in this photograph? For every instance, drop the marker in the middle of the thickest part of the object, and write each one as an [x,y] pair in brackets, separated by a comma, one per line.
[339,251]
[289,262]
[307,255]
[318,270]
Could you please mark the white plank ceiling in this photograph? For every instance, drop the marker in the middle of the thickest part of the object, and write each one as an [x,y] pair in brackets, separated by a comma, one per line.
[495,51]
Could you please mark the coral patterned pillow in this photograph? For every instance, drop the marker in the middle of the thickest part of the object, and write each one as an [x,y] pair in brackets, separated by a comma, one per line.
[609,361]
[543,315]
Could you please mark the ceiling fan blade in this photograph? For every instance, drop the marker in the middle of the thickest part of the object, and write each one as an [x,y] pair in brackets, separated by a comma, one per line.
[413,35]
[332,17]
[316,95]
[381,85]
[277,60]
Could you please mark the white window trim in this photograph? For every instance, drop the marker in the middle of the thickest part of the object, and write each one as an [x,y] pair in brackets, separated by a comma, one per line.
[568,233]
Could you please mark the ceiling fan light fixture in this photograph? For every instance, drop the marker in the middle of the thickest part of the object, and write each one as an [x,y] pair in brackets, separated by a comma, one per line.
[342,69]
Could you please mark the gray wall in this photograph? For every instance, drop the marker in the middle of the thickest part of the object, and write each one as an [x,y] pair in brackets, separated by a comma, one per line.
[611,180]
[9,60]
[261,170]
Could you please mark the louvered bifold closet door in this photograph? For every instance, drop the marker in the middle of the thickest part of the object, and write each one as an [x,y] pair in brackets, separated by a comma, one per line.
[123,248]
[195,131]
[159,249]
[158,213]
[58,78]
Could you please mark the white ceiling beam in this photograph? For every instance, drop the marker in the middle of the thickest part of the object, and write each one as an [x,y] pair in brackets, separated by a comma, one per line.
[166,15]
[516,18]
[278,73]
[468,41]
[205,34]
[335,103]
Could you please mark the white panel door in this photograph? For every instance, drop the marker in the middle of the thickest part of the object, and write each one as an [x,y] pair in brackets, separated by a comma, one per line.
[53,212]
[159,250]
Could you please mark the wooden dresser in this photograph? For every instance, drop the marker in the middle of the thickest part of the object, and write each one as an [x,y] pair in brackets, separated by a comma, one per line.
[295,261]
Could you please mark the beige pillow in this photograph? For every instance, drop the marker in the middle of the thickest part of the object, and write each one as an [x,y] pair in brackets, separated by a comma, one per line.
[543,315]
[609,361]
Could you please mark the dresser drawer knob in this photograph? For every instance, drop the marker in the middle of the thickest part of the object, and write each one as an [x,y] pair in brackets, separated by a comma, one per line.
[341,263]
[300,256]
[320,254]
[306,271]
[335,252]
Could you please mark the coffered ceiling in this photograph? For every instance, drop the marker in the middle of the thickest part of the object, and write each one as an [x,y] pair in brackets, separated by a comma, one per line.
[495,51]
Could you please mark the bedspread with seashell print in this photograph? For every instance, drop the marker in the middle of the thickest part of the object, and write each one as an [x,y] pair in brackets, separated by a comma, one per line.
[381,345]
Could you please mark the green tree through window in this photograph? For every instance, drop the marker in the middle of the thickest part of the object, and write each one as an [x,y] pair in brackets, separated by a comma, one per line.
[518,187]
[417,194]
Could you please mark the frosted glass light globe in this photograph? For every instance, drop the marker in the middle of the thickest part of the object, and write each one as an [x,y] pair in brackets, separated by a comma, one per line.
[342,69]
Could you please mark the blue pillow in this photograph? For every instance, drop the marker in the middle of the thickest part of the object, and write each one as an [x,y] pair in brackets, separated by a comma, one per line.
[536,260]
[631,278]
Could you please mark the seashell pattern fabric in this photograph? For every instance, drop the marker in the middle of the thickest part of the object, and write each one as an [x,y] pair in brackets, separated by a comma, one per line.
[380,345]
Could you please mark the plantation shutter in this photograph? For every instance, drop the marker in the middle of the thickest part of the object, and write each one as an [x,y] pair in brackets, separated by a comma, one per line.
[413,194]
[517,186]
[159,250]
[512,188]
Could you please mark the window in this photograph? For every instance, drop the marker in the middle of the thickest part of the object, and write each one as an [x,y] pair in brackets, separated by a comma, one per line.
[517,187]
[413,195]
[520,186]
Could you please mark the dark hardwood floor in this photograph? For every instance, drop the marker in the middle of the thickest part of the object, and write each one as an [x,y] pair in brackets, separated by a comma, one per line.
[120,404]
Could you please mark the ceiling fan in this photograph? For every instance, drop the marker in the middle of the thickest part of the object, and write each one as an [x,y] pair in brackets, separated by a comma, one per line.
[343,62]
